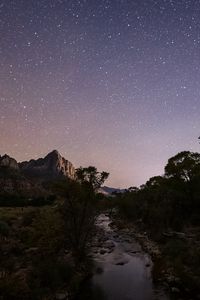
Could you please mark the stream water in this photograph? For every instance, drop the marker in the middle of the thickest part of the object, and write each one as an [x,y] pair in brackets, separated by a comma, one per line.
[123,270]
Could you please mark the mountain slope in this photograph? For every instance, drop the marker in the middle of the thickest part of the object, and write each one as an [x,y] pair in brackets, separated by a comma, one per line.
[8,162]
[12,181]
[52,166]
[27,178]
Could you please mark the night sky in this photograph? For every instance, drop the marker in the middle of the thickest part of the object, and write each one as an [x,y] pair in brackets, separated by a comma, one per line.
[115,84]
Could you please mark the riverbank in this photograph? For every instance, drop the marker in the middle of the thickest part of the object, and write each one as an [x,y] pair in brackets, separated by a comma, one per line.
[35,262]
[171,256]
[122,270]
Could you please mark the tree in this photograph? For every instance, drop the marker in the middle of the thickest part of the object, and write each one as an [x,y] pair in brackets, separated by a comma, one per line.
[79,209]
[92,176]
[155,181]
[183,173]
[185,166]
[79,214]
[132,189]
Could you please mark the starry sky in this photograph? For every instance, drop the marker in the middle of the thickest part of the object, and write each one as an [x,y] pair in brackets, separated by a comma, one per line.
[110,83]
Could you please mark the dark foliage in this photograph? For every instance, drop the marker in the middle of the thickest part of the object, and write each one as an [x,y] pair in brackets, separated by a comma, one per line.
[14,200]
[168,202]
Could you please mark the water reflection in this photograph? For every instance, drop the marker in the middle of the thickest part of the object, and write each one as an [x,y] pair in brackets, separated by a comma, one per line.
[123,271]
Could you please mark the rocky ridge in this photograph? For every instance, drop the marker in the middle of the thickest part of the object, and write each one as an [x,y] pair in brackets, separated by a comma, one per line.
[52,166]
[27,177]
[8,162]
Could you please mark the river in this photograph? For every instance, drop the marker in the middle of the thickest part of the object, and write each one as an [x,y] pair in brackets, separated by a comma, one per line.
[123,270]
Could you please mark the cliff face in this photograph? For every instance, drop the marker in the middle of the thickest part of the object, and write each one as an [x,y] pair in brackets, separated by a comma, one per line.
[8,162]
[27,177]
[50,167]
[12,185]
[11,179]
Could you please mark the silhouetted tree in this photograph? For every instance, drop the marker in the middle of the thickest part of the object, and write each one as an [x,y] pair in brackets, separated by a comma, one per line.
[79,212]
[92,176]
[185,165]
[80,208]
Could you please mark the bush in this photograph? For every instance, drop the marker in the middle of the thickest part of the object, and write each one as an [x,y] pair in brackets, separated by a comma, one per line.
[4,229]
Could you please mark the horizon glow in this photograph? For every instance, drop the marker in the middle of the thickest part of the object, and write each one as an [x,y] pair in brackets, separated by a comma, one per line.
[114,84]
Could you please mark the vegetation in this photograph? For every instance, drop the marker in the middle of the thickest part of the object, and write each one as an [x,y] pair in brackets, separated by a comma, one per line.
[78,208]
[168,202]
[91,176]
[45,241]
[15,200]
[168,208]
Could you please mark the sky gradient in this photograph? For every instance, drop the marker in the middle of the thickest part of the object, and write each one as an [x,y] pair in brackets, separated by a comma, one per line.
[115,84]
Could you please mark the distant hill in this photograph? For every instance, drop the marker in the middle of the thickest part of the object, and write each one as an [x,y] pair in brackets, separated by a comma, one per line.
[108,191]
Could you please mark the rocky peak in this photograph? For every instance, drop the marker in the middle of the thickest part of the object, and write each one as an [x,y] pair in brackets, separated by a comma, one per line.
[52,166]
[8,162]
[53,157]
[53,153]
